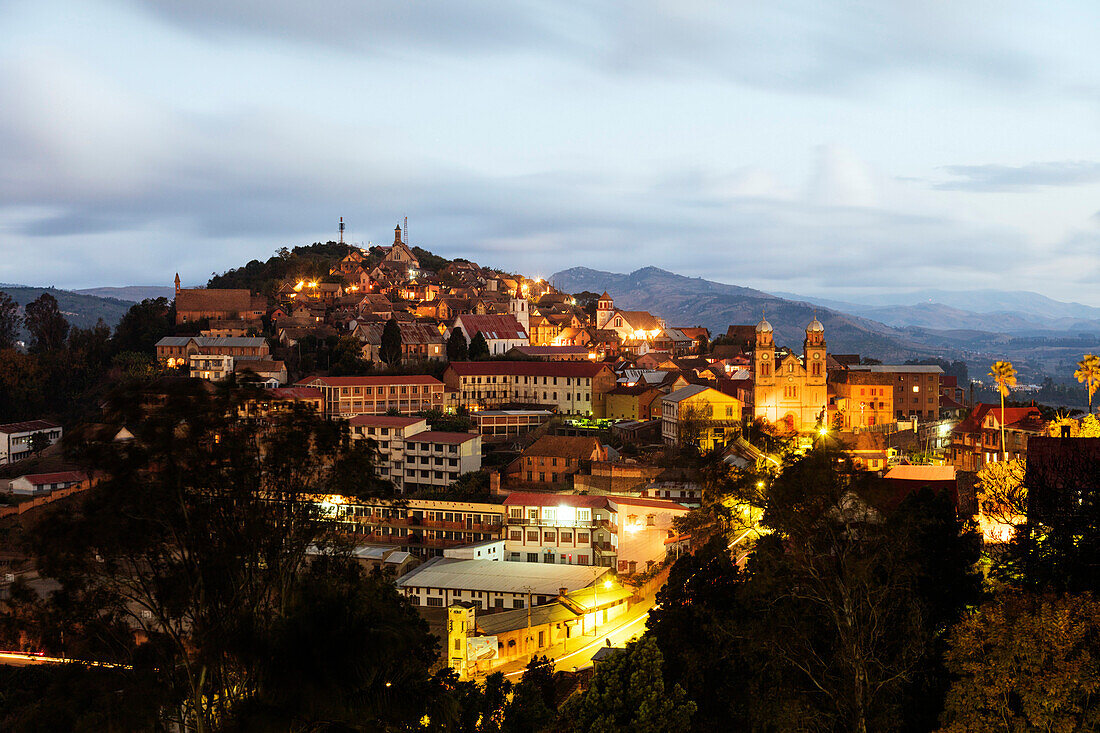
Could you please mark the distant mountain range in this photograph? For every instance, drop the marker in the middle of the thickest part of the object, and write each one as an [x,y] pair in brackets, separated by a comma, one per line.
[80,310]
[131,293]
[1041,335]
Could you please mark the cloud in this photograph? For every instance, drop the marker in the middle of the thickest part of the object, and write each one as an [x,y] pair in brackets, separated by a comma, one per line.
[995,178]
[787,44]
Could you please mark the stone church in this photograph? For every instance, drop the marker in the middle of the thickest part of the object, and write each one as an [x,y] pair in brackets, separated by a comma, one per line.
[790,391]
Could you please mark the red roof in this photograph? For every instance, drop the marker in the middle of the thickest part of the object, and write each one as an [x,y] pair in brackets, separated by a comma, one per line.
[296,393]
[370,381]
[63,477]
[528,368]
[432,436]
[653,503]
[1012,415]
[384,421]
[28,426]
[491,326]
[531,498]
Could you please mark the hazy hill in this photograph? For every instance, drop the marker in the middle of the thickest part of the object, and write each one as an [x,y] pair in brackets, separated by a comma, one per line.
[80,310]
[685,301]
[131,293]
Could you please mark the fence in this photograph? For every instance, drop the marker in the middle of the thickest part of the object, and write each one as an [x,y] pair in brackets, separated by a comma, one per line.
[38,501]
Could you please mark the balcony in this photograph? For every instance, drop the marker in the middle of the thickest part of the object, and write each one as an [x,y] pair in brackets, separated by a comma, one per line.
[582,524]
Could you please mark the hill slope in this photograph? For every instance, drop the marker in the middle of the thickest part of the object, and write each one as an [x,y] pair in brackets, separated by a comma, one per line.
[684,301]
[131,293]
[79,310]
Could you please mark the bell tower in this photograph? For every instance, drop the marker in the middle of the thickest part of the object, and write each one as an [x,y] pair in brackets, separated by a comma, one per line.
[763,355]
[605,306]
[814,352]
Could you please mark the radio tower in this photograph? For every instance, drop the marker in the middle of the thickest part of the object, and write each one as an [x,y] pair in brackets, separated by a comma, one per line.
[341,230]
[406,230]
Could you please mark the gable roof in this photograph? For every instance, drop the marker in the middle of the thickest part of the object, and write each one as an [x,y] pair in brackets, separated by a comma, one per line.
[369,381]
[28,426]
[689,391]
[529,368]
[563,446]
[504,327]
[532,498]
[61,477]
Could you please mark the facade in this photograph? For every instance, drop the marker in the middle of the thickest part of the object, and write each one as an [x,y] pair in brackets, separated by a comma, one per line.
[351,396]
[399,253]
[700,415]
[789,391]
[863,398]
[554,458]
[265,370]
[419,341]
[415,458]
[631,326]
[211,367]
[40,484]
[573,388]
[633,402]
[509,423]
[976,440]
[196,304]
[916,388]
[502,332]
[424,527]
[622,532]
[16,438]
[284,399]
[176,350]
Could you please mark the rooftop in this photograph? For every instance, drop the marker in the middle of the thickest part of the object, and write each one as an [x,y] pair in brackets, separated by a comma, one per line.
[28,426]
[528,368]
[500,576]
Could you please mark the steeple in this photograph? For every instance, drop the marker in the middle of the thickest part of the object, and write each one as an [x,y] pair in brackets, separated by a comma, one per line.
[177,283]
[397,235]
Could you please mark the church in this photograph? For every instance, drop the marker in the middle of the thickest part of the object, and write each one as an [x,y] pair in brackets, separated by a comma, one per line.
[790,391]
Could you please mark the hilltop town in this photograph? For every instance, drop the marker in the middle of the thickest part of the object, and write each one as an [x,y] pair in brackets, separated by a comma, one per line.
[529,464]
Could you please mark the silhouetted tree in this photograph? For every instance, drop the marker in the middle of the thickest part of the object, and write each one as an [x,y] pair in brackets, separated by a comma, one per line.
[48,328]
[9,321]
[143,325]
[457,348]
[390,351]
[479,347]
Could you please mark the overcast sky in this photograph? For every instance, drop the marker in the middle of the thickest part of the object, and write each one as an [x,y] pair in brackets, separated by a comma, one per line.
[814,146]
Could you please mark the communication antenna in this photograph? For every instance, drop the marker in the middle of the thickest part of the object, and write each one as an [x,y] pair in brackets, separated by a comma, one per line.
[341,230]
[406,230]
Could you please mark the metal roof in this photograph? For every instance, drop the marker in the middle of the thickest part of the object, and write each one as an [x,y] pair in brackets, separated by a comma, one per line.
[499,576]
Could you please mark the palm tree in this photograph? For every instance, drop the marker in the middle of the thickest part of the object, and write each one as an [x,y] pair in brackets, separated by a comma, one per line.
[1004,374]
[1088,372]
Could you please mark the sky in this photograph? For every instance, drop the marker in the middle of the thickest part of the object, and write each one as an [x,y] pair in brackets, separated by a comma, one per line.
[821,147]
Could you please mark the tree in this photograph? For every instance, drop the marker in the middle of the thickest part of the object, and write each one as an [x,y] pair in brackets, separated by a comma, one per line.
[39,442]
[9,321]
[533,701]
[198,537]
[1001,492]
[628,695]
[390,351]
[1088,373]
[48,328]
[1004,374]
[479,347]
[1026,663]
[143,325]
[457,348]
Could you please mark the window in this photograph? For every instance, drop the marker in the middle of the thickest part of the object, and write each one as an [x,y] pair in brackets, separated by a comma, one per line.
[532,536]
[515,536]
[549,537]
[582,538]
[531,557]
[435,602]
[515,512]
[566,537]
[651,520]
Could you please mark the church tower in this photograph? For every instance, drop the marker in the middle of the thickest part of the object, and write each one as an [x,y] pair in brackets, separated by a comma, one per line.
[763,355]
[605,306]
[177,283]
[814,350]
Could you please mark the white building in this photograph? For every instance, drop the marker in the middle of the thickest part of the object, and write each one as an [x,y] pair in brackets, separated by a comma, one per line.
[501,332]
[622,532]
[39,484]
[15,438]
[488,584]
[212,367]
[488,550]
[415,458]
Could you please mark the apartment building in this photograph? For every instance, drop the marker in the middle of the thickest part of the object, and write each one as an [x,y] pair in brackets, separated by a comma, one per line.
[861,398]
[424,527]
[916,388]
[347,397]
[16,438]
[415,458]
[176,350]
[569,387]
[622,532]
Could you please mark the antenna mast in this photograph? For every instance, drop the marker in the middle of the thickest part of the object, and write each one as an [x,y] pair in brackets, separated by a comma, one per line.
[341,230]
[406,231]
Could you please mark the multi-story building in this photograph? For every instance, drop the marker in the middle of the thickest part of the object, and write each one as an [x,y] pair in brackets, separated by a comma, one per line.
[212,367]
[424,527]
[501,332]
[622,532]
[176,350]
[415,458]
[701,416]
[419,341]
[789,391]
[916,388]
[218,304]
[17,438]
[502,424]
[634,402]
[570,387]
[976,440]
[351,396]
[862,398]
[554,458]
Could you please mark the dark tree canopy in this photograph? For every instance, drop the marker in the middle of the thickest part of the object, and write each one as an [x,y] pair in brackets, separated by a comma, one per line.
[48,328]
[143,325]
[391,342]
[9,321]
[479,347]
[457,348]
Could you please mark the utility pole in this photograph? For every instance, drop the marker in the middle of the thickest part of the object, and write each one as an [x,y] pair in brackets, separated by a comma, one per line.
[527,635]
